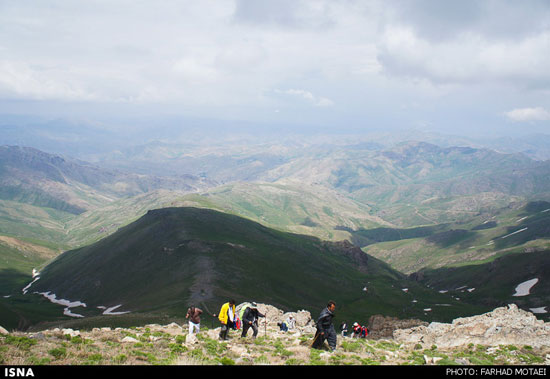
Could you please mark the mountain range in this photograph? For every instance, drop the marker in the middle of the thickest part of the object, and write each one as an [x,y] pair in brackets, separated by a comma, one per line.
[415,209]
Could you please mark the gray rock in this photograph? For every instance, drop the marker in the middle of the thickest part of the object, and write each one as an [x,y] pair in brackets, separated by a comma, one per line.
[503,326]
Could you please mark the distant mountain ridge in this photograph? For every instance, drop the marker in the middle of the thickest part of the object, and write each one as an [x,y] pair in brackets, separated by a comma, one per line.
[32,176]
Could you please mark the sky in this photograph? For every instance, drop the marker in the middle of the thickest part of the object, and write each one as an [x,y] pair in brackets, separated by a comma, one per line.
[469,66]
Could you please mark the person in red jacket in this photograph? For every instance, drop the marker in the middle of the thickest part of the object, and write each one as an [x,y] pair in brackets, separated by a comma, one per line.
[356,330]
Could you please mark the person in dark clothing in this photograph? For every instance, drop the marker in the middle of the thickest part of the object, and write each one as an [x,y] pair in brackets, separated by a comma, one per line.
[325,328]
[250,320]
[344,329]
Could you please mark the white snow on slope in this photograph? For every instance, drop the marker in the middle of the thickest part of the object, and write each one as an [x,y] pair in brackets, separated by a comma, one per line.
[523,289]
[68,304]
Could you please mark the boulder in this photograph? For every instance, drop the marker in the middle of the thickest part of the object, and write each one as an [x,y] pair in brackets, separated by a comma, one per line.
[384,326]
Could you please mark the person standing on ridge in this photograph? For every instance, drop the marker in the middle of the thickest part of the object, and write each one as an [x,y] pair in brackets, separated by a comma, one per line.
[194,316]
[226,317]
[325,328]
[250,319]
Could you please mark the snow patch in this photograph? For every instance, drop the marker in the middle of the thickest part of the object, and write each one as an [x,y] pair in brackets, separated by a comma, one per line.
[29,285]
[538,310]
[109,311]
[517,231]
[67,303]
[524,289]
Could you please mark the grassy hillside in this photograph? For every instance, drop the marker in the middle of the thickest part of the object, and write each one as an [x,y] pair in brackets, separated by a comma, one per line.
[174,257]
[289,206]
[494,283]
[517,228]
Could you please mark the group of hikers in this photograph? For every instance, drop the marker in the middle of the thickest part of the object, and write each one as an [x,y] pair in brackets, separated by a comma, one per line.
[358,331]
[248,315]
[246,319]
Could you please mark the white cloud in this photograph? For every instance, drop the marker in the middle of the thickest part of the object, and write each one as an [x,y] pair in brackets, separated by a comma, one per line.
[528,114]
[230,55]
[467,58]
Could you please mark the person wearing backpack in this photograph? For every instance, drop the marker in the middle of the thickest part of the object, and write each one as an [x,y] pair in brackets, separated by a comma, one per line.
[356,330]
[250,319]
[226,317]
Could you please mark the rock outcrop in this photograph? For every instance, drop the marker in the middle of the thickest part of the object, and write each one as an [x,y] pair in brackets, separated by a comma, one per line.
[503,326]
[384,326]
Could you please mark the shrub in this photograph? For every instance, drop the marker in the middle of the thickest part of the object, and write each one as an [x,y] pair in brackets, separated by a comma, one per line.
[58,353]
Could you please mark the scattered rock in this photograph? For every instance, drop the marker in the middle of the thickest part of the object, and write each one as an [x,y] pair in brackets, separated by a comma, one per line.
[431,360]
[502,327]
[70,332]
[191,339]
[3,331]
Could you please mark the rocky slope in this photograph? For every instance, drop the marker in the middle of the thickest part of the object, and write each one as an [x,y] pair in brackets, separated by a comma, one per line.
[504,336]
[503,326]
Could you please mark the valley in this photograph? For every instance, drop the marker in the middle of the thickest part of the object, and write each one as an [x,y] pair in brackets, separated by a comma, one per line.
[414,211]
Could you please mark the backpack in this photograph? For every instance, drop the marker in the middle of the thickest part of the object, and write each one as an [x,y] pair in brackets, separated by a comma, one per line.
[243,309]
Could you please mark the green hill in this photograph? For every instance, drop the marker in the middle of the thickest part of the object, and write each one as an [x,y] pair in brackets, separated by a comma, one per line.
[520,227]
[173,257]
[494,283]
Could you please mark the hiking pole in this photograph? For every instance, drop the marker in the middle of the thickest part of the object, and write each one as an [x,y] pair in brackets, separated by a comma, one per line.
[315,339]
[210,313]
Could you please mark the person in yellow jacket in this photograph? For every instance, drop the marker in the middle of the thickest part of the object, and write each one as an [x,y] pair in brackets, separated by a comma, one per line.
[227,318]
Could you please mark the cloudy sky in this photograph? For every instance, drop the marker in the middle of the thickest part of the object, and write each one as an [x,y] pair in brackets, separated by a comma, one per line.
[471,65]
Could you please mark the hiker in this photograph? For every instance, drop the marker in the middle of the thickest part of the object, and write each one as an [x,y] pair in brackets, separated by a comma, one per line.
[282,326]
[194,316]
[344,329]
[227,318]
[325,329]
[291,322]
[356,330]
[364,332]
[250,319]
